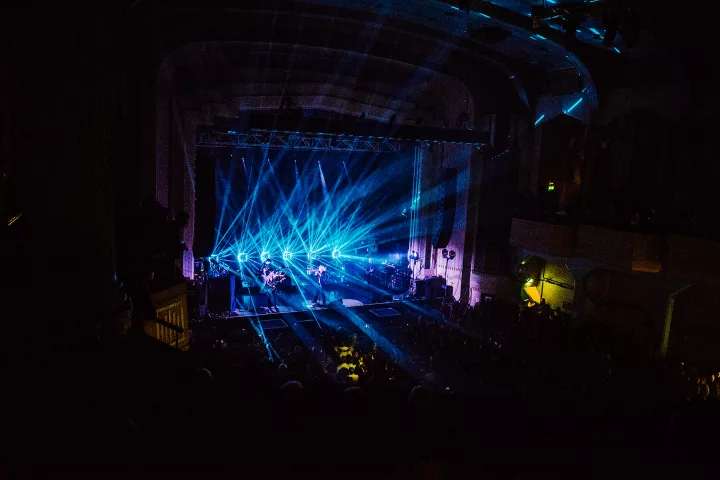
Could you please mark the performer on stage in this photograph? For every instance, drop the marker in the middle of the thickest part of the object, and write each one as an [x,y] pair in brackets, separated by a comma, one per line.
[266,267]
[369,271]
[320,284]
[272,279]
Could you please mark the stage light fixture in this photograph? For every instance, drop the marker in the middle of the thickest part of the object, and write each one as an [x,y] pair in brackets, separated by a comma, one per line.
[530,271]
[243,257]
[336,253]
[451,254]
[287,255]
[415,256]
[444,253]
[264,256]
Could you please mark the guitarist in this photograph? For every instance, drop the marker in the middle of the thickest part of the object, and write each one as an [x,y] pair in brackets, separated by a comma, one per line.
[266,267]
[272,279]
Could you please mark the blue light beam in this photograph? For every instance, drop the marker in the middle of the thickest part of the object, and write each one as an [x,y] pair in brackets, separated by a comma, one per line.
[573,106]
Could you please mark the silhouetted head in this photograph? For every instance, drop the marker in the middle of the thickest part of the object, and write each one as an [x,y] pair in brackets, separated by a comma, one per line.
[292,391]
[202,379]
[421,399]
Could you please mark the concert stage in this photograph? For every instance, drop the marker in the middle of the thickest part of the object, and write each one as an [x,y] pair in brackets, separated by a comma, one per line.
[282,206]
[294,295]
[287,215]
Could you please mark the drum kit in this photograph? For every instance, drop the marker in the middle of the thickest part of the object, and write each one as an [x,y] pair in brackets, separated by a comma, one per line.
[396,278]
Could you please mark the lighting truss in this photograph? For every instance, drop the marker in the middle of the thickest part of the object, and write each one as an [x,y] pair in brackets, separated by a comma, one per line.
[298,141]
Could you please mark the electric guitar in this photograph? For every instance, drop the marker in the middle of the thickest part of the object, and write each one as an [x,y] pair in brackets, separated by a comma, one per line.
[273,279]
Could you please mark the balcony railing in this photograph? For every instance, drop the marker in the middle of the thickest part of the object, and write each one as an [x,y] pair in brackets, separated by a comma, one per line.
[694,258]
[544,237]
[171,326]
[621,249]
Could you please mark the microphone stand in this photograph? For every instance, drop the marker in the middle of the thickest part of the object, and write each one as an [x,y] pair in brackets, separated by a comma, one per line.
[447,260]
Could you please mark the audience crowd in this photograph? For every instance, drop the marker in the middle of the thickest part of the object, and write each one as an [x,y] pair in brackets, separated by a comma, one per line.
[496,391]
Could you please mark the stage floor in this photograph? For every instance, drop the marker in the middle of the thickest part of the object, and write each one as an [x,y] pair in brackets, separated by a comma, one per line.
[294,300]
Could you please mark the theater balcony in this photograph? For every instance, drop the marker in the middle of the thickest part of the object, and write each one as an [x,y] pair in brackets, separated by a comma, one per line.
[543,237]
[623,250]
[696,259]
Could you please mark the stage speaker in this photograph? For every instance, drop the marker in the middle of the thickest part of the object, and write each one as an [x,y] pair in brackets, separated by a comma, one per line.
[430,287]
[421,288]
[221,294]
[204,236]
[445,216]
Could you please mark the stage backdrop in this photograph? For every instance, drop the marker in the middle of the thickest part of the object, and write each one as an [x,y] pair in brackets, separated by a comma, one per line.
[282,203]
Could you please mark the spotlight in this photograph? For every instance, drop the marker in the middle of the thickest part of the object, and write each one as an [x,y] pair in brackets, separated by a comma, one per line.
[264,256]
[444,253]
[414,255]
[243,257]
[287,255]
[451,254]
[530,271]
[336,253]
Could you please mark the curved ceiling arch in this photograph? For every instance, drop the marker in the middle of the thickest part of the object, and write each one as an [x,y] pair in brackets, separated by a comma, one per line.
[480,70]
[225,71]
